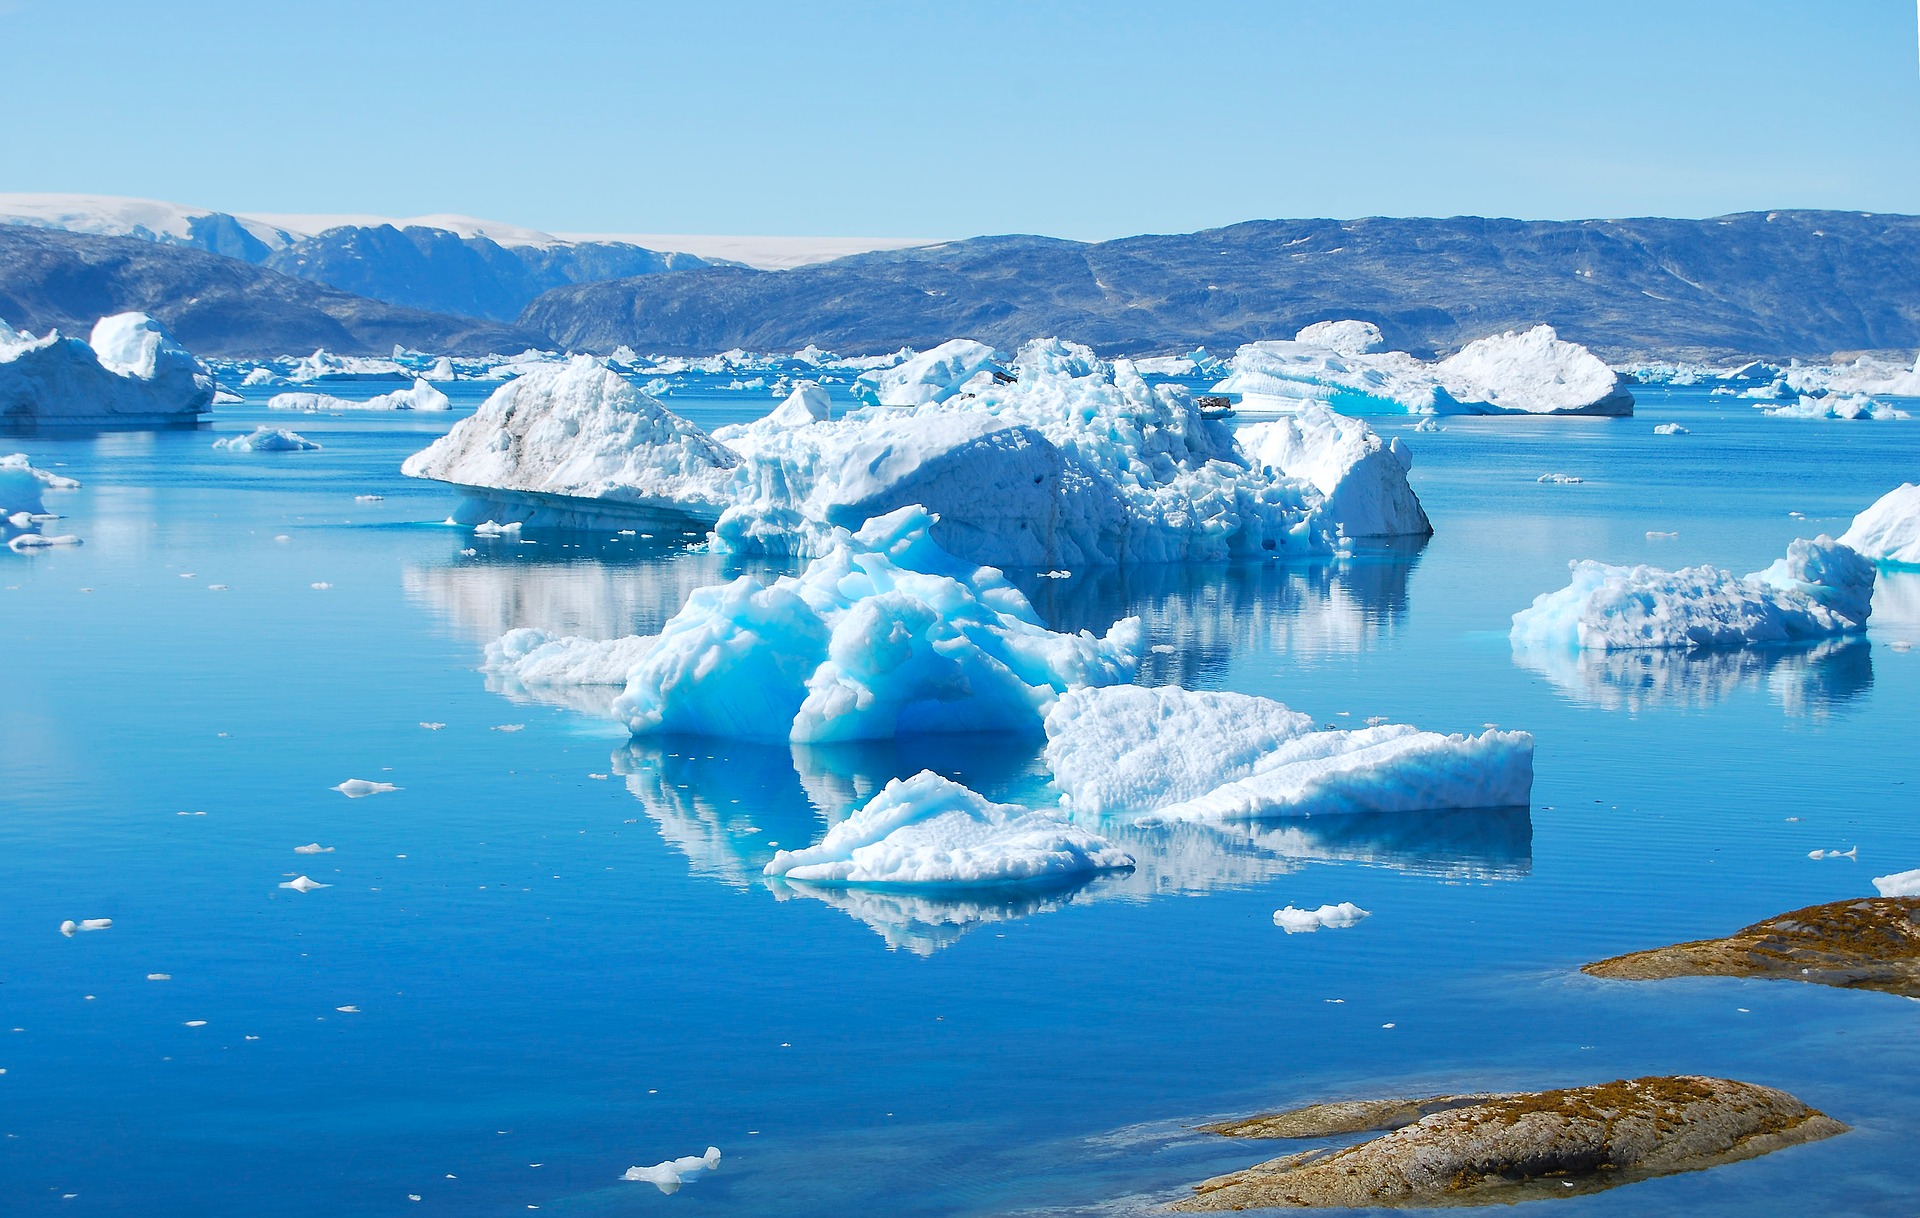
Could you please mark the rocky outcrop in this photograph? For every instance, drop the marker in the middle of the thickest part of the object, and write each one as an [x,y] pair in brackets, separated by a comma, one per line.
[1523,1147]
[1868,944]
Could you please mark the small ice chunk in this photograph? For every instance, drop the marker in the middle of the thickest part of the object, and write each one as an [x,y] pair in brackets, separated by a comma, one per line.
[349,1009]
[313,848]
[670,1175]
[159,976]
[1654,535]
[509,727]
[493,528]
[1899,884]
[304,884]
[368,498]
[432,727]
[357,788]
[267,440]
[1670,429]
[320,587]
[195,1023]
[1560,479]
[1834,854]
[70,927]
[1306,921]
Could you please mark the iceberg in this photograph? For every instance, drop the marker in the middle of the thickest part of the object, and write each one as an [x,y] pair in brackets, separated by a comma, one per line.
[931,376]
[929,830]
[1532,372]
[1364,480]
[885,634]
[324,365]
[1889,531]
[1131,750]
[1331,917]
[1899,884]
[1282,377]
[422,396]
[1819,590]
[267,440]
[670,1175]
[129,372]
[562,433]
[1836,406]
[1345,337]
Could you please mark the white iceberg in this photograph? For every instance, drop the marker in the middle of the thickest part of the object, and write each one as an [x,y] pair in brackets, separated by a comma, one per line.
[1533,372]
[359,788]
[324,365]
[303,884]
[1819,590]
[1899,884]
[562,433]
[69,928]
[1837,406]
[931,830]
[1347,337]
[1671,429]
[422,396]
[130,372]
[1330,917]
[670,1175]
[931,376]
[267,440]
[886,634]
[1284,376]
[1363,479]
[1889,530]
[1175,754]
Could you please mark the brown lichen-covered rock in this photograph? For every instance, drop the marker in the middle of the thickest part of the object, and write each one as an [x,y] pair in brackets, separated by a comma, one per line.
[1528,1146]
[1872,943]
[1343,1116]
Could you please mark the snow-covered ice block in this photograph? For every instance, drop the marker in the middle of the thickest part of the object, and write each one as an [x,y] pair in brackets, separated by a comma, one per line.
[931,830]
[886,634]
[1899,884]
[422,396]
[130,371]
[1330,917]
[670,1175]
[1888,531]
[1176,754]
[579,430]
[266,440]
[1532,372]
[1819,590]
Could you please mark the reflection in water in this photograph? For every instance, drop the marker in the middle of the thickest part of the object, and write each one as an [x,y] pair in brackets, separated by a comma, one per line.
[1896,605]
[1803,680]
[727,805]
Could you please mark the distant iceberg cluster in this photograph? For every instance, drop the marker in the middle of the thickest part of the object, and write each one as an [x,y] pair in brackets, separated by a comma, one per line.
[1852,391]
[1344,365]
[129,372]
[422,396]
[1821,589]
[1060,459]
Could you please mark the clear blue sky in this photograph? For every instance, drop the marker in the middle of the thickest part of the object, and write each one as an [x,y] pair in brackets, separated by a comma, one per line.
[897,118]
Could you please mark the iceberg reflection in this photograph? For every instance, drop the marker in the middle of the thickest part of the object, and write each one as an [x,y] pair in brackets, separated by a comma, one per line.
[1803,680]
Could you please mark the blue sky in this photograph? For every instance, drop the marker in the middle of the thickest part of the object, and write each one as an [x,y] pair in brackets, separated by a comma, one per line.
[945,120]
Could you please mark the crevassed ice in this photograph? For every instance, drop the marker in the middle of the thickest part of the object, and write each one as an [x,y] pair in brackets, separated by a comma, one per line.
[1176,754]
[931,830]
[130,370]
[885,634]
[1819,590]
[1889,530]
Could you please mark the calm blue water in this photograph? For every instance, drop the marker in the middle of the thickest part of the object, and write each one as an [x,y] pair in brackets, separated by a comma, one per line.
[558,975]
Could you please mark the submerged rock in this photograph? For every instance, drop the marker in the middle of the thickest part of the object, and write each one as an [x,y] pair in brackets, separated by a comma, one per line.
[1523,1147]
[1868,944]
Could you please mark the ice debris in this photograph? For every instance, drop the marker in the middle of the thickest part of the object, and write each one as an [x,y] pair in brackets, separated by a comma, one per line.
[1889,530]
[1820,589]
[931,830]
[303,884]
[1132,750]
[670,1175]
[885,634]
[422,396]
[356,788]
[267,440]
[129,371]
[1331,917]
[23,511]
[1670,429]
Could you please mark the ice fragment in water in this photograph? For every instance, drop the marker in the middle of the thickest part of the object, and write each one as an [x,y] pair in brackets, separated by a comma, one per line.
[304,884]
[313,848]
[1305,921]
[358,788]
[670,1175]
[69,927]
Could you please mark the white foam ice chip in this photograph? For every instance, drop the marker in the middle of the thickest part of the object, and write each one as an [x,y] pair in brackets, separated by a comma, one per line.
[670,1175]
[267,440]
[1329,917]
[1889,530]
[358,788]
[1130,750]
[886,634]
[931,830]
[1819,590]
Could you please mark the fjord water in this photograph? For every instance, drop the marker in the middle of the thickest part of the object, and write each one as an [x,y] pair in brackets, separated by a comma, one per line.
[559,959]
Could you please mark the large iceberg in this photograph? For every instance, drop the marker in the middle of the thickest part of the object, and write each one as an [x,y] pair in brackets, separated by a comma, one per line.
[561,433]
[1819,590]
[1532,372]
[1889,531]
[885,634]
[1070,461]
[928,830]
[1176,754]
[129,372]
[422,396]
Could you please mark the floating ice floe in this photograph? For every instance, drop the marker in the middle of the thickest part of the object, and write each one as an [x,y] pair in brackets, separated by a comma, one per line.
[1560,479]
[1821,589]
[70,927]
[931,830]
[1330,917]
[1889,530]
[303,884]
[1899,884]
[670,1175]
[1837,406]
[1073,461]
[1852,853]
[422,396]
[886,634]
[1174,754]
[356,788]
[313,848]
[1670,429]
[129,372]
[267,440]
[1342,365]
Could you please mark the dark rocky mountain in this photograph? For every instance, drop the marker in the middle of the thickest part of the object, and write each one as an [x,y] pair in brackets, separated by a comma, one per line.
[215,305]
[1772,284]
[441,271]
